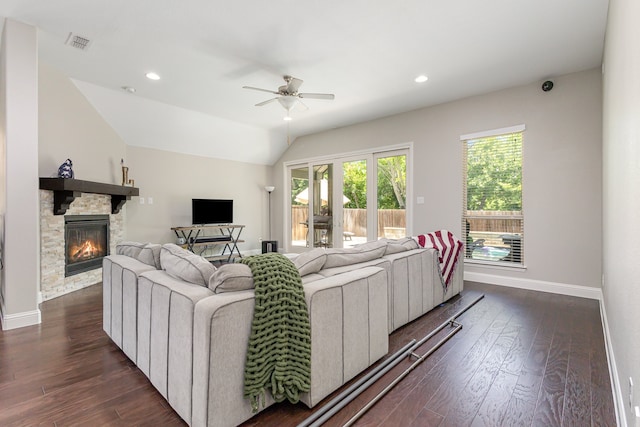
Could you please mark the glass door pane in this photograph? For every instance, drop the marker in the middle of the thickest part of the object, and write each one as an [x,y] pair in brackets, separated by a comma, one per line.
[299,206]
[392,196]
[321,229]
[354,201]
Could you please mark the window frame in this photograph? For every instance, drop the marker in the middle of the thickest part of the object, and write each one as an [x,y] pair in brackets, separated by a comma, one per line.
[371,155]
[465,213]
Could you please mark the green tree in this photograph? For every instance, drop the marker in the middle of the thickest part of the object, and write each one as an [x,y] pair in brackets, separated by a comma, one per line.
[355,184]
[494,173]
[297,186]
[392,182]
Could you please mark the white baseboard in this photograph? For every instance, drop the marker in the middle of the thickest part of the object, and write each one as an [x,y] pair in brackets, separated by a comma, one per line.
[618,400]
[19,320]
[535,285]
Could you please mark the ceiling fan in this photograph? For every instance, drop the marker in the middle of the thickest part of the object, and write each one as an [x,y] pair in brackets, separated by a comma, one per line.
[288,95]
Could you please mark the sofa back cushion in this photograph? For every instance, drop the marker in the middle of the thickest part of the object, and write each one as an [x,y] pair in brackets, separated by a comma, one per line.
[231,278]
[150,255]
[345,256]
[130,249]
[185,265]
[310,262]
[403,244]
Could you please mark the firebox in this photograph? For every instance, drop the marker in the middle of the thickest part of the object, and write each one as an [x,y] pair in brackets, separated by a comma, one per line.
[86,242]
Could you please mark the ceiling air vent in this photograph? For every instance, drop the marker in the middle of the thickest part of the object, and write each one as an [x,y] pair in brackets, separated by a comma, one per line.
[78,42]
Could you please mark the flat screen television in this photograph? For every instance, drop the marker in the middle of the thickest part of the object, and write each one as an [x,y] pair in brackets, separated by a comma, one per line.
[211,211]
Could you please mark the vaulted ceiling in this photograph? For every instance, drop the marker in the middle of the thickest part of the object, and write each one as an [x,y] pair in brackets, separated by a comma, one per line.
[366,52]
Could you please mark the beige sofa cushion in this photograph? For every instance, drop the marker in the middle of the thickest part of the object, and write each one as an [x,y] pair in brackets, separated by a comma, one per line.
[231,278]
[403,244]
[310,262]
[130,249]
[347,256]
[185,265]
[150,255]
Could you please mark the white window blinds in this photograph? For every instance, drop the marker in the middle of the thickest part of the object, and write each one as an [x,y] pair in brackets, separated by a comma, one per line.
[492,217]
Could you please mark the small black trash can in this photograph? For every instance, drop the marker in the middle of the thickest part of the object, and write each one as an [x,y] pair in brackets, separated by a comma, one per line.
[269,246]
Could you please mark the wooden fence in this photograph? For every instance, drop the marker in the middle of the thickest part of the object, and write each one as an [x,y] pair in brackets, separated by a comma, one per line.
[355,221]
[394,220]
[491,226]
[493,222]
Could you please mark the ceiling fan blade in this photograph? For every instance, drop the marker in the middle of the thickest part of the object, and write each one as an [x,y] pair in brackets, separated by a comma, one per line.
[293,84]
[265,102]
[261,90]
[317,95]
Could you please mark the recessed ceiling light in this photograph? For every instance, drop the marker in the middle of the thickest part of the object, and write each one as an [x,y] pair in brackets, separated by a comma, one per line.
[421,78]
[129,89]
[287,118]
[152,76]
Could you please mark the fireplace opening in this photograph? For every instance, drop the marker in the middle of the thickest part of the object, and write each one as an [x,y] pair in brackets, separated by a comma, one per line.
[86,242]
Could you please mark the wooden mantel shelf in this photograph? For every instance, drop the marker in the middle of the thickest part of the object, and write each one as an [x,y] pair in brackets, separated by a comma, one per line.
[65,190]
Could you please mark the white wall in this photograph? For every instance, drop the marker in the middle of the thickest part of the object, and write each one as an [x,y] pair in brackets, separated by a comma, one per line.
[70,127]
[172,180]
[562,169]
[20,276]
[621,186]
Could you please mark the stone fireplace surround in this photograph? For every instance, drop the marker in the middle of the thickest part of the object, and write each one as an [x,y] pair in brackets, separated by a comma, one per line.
[53,282]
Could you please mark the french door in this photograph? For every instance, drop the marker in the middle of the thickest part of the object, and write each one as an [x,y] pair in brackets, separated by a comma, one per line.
[346,201]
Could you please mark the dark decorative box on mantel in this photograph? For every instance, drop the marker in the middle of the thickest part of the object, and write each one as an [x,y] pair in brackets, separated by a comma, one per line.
[65,190]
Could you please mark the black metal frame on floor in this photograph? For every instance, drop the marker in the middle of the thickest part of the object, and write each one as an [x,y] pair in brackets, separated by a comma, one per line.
[343,399]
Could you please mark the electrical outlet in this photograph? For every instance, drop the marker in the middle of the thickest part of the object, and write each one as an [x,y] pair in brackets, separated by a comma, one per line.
[142,200]
[630,392]
[150,200]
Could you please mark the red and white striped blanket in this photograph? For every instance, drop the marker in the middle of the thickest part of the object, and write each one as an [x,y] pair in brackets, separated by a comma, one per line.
[448,247]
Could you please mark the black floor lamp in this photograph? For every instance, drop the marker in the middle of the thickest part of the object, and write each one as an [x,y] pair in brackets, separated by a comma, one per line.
[269,245]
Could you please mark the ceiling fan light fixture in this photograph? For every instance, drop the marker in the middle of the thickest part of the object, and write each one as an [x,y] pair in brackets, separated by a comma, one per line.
[288,102]
[421,78]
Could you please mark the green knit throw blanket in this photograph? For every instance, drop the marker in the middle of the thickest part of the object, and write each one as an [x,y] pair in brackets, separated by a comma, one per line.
[279,352]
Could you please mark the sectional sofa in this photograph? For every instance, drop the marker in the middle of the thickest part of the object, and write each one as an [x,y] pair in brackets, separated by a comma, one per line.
[186,324]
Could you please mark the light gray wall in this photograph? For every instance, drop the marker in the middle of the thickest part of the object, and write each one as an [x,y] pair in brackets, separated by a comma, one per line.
[20,276]
[173,179]
[562,168]
[70,127]
[621,185]
[3,154]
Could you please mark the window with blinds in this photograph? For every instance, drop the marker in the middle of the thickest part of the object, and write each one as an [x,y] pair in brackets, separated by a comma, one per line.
[492,217]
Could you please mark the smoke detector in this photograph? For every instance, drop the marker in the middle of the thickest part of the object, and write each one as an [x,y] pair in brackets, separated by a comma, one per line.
[79,42]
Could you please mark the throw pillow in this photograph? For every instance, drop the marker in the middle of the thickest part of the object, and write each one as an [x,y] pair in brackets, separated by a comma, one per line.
[408,242]
[185,265]
[348,256]
[230,278]
[150,255]
[399,245]
[310,262]
[130,249]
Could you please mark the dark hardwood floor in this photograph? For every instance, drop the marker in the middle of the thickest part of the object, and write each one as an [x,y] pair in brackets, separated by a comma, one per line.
[522,358]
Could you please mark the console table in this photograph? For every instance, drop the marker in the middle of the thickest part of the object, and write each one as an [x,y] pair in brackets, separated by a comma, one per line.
[199,238]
